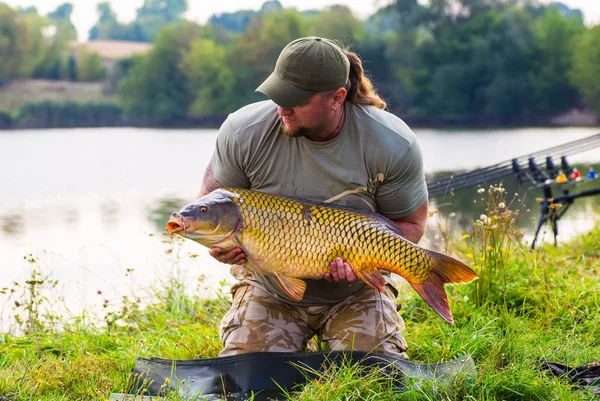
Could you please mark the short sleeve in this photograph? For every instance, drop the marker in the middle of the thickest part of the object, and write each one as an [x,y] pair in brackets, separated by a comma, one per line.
[228,161]
[405,188]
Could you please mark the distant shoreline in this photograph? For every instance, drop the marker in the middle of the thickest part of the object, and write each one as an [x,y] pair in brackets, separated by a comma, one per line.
[573,119]
[586,121]
[45,104]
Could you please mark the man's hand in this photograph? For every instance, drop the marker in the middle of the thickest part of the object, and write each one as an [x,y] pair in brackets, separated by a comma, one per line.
[340,271]
[235,256]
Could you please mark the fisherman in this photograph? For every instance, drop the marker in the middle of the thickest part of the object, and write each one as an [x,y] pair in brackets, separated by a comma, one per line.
[323,135]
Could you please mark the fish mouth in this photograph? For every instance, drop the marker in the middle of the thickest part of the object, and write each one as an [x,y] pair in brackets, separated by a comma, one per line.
[177,224]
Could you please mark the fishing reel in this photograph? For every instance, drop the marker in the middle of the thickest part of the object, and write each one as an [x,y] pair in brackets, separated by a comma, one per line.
[553,207]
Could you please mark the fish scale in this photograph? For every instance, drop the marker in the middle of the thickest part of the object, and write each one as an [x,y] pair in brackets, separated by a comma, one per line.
[293,239]
[342,233]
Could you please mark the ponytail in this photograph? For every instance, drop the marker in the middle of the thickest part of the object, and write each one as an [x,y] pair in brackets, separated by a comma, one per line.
[360,88]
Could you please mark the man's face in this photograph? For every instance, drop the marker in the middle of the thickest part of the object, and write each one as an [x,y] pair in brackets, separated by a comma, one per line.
[310,119]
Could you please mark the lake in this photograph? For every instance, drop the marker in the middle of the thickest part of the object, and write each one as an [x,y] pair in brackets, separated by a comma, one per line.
[90,205]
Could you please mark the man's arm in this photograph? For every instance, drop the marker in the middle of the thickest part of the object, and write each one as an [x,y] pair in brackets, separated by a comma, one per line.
[209,182]
[412,227]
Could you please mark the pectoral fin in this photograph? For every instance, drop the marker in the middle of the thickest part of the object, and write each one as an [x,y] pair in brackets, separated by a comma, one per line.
[293,287]
[372,278]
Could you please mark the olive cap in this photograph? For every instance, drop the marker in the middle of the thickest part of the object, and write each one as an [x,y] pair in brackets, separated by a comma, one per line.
[305,67]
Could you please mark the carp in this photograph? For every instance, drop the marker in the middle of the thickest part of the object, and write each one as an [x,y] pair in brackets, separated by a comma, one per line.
[294,239]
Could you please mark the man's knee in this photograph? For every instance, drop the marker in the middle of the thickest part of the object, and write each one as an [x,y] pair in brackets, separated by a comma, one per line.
[375,325]
[257,322]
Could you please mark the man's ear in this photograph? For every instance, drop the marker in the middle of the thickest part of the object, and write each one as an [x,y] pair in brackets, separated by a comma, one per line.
[339,96]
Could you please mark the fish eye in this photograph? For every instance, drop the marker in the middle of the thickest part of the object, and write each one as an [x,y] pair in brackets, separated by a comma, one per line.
[202,209]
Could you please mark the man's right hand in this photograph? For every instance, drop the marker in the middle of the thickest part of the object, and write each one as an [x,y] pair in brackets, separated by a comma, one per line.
[235,256]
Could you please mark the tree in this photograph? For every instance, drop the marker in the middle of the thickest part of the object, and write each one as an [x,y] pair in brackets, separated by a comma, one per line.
[238,21]
[155,14]
[586,67]
[22,44]
[257,50]
[109,28]
[89,66]
[211,79]
[61,17]
[156,88]
[555,36]
[337,22]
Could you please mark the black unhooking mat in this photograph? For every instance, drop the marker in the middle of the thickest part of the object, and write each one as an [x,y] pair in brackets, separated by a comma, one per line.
[586,376]
[263,375]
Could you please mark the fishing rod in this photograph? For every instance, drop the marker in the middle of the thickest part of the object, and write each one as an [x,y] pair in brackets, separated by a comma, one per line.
[527,169]
[443,185]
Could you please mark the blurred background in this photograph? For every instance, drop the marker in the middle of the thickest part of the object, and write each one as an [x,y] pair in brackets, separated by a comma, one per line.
[109,112]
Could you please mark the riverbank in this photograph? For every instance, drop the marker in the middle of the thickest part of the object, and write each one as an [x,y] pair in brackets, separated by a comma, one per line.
[26,104]
[525,307]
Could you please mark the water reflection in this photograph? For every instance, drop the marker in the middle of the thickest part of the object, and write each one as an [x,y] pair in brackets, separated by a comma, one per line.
[161,211]
[12,224]
[71,217]
[109,212]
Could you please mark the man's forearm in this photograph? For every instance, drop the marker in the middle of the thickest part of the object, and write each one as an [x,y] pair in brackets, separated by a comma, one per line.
[410,231]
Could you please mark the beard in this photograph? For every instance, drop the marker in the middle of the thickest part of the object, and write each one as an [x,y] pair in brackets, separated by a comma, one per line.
[300,130]
[297,132]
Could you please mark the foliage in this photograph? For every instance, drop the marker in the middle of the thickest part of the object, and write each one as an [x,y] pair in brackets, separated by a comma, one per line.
[586,67]
[108,27]
[152,16]
[156,88]
[547,310]
[61,17]
[21,42]
[555,36]
[254,54]
[211,79]
[89,66]
[238,21]
[6,120]
[494,237]
[487,62]
[338,23]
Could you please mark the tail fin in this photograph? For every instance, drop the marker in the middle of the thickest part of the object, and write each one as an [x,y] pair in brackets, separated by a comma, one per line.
[445,270]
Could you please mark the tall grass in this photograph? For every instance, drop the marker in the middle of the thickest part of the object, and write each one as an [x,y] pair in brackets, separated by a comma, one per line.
[494,238]
[525,307]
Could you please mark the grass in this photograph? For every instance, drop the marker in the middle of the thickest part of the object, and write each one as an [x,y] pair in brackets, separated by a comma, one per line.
[15,94]
[534,306]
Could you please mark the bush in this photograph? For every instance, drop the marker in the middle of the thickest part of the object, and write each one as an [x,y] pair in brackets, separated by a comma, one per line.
[49,114]
[6,120]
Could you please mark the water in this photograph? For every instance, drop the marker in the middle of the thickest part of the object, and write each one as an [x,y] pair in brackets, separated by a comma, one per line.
[90,205]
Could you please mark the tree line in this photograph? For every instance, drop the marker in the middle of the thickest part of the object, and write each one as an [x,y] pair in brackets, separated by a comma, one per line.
[451,61]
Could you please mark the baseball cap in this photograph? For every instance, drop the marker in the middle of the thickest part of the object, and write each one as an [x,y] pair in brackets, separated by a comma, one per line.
[305,67]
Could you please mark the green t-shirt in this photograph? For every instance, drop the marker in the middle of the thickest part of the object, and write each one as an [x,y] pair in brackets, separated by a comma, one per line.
[374,164]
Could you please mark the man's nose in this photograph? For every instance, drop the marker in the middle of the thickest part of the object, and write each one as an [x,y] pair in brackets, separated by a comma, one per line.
[282,111]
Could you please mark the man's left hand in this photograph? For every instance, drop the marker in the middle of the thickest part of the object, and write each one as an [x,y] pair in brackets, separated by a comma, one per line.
[340,271]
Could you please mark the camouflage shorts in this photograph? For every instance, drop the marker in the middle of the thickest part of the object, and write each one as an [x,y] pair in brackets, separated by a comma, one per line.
[365,321]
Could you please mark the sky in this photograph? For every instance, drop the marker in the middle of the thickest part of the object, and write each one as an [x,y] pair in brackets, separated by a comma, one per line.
[84,11]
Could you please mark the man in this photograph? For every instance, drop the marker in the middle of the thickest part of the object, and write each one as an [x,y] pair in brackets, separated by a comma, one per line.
[323,136]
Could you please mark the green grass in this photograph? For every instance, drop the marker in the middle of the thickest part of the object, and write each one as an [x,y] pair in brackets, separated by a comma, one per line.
[15,94]
[543,306]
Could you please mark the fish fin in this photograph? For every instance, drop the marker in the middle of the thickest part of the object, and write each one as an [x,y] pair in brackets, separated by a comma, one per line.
[450,270]
[293,287]
[445,270]
[252,263]
[432,291]
[373,278]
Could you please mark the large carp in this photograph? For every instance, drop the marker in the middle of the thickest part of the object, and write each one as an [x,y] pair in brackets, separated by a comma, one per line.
[295,239]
